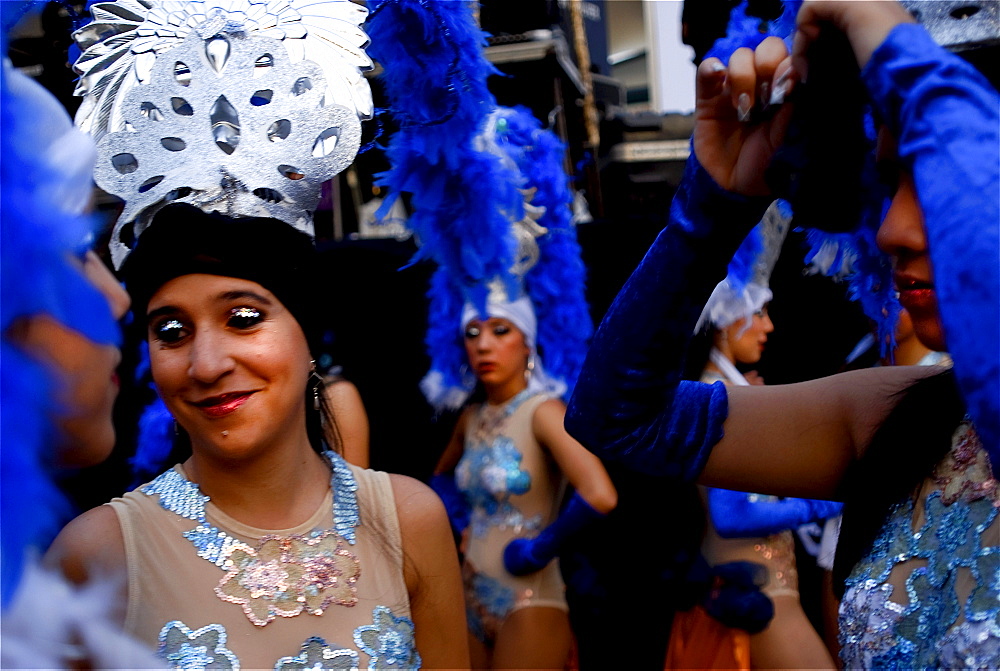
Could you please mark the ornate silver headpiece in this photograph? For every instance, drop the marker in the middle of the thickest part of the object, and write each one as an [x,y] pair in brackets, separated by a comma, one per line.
[959,25]
[198,102]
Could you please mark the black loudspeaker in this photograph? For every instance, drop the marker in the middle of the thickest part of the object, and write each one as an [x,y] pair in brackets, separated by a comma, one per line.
[502,18]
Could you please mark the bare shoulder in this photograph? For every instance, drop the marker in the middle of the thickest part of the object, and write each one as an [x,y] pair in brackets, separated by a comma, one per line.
[548,413]
[419,509]
[92,542]
[344,392]
[424,531]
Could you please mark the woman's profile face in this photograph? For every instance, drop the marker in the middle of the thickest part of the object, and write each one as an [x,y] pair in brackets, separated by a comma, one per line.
[230,362]
[902,236]
[748,346]
[85,372]
[496,350]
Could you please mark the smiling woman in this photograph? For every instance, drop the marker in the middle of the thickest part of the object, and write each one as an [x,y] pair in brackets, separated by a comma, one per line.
[264,542]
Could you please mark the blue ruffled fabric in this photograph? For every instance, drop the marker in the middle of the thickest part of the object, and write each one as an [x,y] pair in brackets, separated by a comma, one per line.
[743,515]
[629,404]
[946,119]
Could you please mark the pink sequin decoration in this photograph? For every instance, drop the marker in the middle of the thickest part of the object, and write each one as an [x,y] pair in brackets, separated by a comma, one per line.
[285,576]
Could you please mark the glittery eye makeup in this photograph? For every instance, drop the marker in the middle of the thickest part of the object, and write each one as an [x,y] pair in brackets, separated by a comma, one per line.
[244,317]
[169,330]
[472,332]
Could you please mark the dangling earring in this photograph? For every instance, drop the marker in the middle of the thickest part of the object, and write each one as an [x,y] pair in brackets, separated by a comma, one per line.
[317,382]
[530,368]
[177,429]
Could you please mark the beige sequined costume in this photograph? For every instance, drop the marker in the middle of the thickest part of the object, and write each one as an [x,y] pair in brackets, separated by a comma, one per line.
[775,552]
[285,598]
[514,489]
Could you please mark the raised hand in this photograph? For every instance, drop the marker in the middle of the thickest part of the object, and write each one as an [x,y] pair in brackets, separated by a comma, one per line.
[741,116]
[866,25]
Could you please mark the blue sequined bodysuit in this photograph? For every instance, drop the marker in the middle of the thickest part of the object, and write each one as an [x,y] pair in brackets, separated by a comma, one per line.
[928,593]
[513,489]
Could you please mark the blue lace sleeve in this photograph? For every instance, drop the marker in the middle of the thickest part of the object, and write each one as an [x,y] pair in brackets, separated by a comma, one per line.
[629,404]
[743,515]
[946,118]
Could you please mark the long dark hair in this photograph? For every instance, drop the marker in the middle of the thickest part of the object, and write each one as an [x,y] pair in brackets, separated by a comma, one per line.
[914,437]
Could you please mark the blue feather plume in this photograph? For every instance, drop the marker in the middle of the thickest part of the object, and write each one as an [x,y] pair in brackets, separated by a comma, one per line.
[37,241]
[556,283]
[435,78]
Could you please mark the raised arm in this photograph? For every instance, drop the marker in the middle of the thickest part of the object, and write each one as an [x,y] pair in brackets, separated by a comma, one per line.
[625,402]
[945,118]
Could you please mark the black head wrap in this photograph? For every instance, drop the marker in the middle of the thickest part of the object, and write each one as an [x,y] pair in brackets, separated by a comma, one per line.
[184,240]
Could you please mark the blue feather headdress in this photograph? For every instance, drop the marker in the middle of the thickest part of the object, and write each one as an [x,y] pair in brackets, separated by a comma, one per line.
[745,290]
[851,256]
[435,78]
[467,178]
[45,176]
[548,269]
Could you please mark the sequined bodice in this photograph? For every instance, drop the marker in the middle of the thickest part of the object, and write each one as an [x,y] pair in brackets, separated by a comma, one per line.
[928,594]
[211,592]
[493,469]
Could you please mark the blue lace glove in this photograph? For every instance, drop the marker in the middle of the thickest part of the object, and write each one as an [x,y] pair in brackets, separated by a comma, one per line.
[527,555]
[737,515]
[629,404]
[453,499]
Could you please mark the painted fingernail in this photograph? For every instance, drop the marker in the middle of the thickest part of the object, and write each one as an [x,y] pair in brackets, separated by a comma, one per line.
[765,95]
[743,107]
[778,94]
[716,66]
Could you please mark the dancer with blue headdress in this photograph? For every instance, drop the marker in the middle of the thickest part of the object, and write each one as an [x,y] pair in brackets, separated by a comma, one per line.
[491,206]
[58,311]
[509,453]
[913,449]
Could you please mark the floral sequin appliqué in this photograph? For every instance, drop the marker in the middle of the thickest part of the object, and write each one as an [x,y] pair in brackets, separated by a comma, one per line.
[489,472]
[199,649]
[281,576]
[487,602]
[931,626]
[389,643]
[285,576]
[318,654]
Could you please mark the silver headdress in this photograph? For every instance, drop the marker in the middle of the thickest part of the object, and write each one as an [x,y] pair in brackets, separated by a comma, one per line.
[959,25]
[243,106]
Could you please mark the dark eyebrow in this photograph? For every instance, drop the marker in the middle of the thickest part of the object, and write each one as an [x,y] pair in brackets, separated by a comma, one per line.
[236,295]
[224,296]
[165,310]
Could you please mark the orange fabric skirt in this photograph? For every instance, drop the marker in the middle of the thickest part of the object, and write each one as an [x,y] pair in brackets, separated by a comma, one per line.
[699,641]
